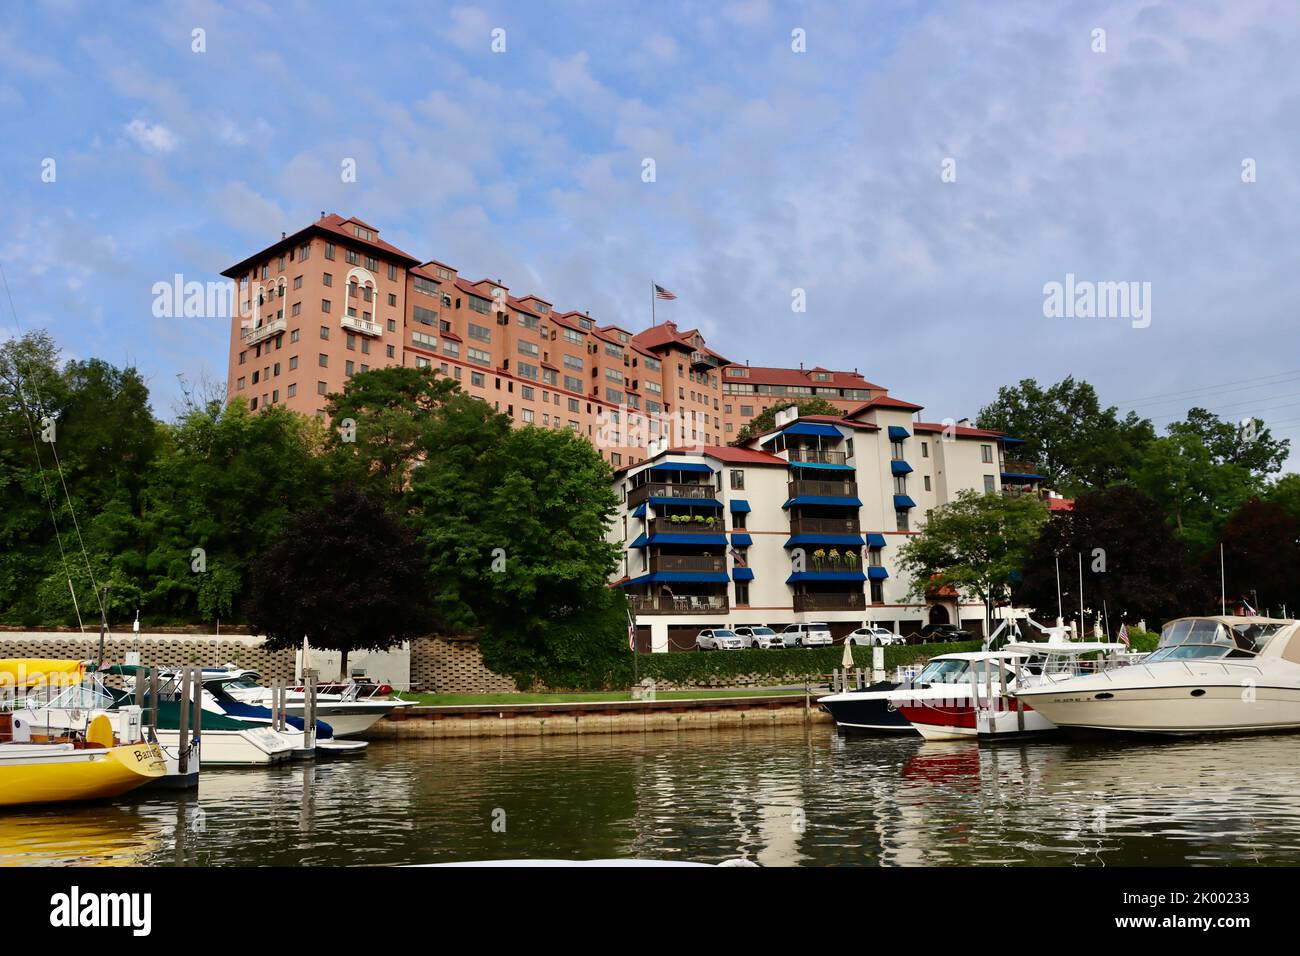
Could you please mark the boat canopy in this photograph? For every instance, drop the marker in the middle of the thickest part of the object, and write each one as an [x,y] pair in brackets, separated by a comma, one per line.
[1194,638]
[31,671]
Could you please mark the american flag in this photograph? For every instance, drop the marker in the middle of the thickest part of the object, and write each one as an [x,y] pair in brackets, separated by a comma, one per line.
[739,559]
[1123,636]
[662,293]
[631,633]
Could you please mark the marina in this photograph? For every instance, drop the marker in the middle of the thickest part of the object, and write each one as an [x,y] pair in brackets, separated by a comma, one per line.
[778,796]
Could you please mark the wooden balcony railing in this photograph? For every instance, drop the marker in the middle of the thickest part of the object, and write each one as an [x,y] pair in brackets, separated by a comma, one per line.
[678,603]
[1023,467]
[802,525]
[815,456]
[668,526]
[657,489]
[687,562]
[838,489]
[833,601]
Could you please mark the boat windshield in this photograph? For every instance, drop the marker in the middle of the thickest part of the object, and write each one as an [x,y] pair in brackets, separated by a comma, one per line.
[1202,638]
[943,672]
[81,697]
[244,683]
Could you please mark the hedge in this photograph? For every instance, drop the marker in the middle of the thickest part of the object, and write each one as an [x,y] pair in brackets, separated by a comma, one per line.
[788,666]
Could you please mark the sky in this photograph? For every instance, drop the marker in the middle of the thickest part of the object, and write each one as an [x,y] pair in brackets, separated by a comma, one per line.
[915,173]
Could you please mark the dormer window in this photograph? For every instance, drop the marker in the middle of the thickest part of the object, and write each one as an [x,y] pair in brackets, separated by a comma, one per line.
[361,232]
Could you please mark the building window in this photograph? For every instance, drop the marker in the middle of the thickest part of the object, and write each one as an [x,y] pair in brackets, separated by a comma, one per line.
[240,383]
[896,450]
[901,515]
[329,250]
[528,416]
[477,378]
[391,353]
[900,484]
[348,367]
[297,282]
[988,484]
[323,361]
[737,479]
[325,305]
[986,454]
[747,411]
[326,279]
[873,557]
[877,592]
[927,482]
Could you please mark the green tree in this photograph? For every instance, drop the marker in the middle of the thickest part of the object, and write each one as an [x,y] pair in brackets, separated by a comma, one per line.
[765,420]
[1078,444]
[346,575]
[514,524]
[1286,492]
[389,409]
[976,543]
[1249,444]
[1131,561]
[1261,551]
[221,488]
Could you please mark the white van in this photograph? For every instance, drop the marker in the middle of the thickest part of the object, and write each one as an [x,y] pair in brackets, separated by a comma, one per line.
[817,634]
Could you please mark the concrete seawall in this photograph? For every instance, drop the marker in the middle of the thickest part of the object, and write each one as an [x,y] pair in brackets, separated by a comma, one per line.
[613,717]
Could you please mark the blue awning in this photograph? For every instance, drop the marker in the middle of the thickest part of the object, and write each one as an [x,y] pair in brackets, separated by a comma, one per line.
[680,466]
[1020,476]
[898,431]
[807,428]
[739,506]
[823,500]
[899,467]
[697,502]
[795,540]
[825,576]
[680,577]
[877,574]
[903,501]
[640,511]
[825,466]
[742,574]
[741,540]
[715,540]
[640,542]
[875,540]
[1008,440]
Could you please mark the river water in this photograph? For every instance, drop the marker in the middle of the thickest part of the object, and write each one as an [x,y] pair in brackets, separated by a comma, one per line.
[778,796]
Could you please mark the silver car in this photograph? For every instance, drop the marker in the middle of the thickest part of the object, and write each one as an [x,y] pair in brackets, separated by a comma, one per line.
[873,635]
[718,639]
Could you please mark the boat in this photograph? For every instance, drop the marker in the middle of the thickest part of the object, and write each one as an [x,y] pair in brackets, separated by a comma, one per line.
[1214,674]
[350,708]
[990,709]
[873,710]
[322,741]
[40,765]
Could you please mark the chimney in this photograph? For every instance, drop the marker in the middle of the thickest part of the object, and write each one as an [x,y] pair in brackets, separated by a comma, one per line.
[283,234]
[322,213]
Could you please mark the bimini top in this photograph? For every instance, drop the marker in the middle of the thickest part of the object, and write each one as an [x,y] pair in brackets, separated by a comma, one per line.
[1223,637]
[1062,647]
[31,671]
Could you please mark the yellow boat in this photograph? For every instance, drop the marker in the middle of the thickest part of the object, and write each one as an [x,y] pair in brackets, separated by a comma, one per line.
[66,772]
[61,770]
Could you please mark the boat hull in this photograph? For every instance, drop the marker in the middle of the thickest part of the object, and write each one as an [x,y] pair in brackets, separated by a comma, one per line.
[964,721]
[866,712]
[1220,708]
[54,774]
[253,747]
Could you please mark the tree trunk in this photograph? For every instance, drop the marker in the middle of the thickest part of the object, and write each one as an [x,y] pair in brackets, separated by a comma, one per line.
[343,664]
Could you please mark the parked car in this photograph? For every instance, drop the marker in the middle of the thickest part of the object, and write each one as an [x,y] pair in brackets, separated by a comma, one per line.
[817,634]
[874,635]
[718,639]
[759,636]
[943,632]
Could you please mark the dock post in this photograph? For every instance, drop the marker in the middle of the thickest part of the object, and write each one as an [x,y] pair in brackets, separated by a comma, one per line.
[198,715]
[153,696]
[309,709]
[184,709]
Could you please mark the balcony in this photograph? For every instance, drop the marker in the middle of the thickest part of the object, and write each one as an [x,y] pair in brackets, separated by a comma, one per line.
[678,603]
[814,456]
[666,526]
[831,601]
[704,360]
[1022,467]
[801,525]
[264,331]
[688,562]
[360,326]
[656,489]
[834,489]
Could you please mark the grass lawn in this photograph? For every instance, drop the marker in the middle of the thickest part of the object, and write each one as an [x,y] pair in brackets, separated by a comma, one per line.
[574,698]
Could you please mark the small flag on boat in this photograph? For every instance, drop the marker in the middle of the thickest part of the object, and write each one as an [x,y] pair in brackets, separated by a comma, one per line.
[631,633]
[1123,636]
[1249,610]
[662,293]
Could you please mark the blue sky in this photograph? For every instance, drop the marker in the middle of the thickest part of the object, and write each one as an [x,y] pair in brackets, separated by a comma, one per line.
[775,171]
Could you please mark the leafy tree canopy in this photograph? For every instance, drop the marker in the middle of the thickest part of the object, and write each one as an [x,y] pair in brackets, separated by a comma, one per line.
[1261,552]
[1078,444]
[346,575]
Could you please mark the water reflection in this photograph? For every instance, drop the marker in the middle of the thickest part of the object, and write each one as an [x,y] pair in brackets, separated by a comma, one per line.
[775,795]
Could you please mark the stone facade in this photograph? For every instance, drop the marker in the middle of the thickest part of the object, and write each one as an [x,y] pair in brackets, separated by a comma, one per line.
[440,666]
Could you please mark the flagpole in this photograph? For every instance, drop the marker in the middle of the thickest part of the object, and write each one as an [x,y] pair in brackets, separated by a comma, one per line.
[1223,588]
[1081,621]
[652,303]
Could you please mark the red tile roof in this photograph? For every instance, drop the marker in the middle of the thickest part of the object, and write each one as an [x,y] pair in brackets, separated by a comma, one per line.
[886,401]
[330,226]
[1060,504]
[964,431]
[768,375]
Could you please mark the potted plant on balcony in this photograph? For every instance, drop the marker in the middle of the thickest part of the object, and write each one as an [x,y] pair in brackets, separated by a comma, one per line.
[834,556]
[711,521]
[818,557]
[699,519]
[851,559]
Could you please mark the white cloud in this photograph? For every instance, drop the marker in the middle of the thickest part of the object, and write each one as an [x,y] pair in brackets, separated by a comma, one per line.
[152,137]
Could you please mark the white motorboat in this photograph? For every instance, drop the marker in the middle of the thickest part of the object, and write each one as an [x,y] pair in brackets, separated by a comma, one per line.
[1221,674]
[353,709]
[989,709]
[873,711]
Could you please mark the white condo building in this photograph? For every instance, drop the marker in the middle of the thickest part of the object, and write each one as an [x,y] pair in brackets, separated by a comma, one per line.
[798,524]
